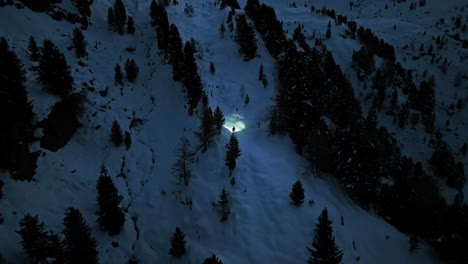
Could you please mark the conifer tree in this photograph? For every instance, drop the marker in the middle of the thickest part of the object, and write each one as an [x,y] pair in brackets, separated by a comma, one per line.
[79,245]
[120,16]
[192,81]
[127,140]
[36,242]
[130,25]
[218,119]
[118,75]
[111,216]
[181,168]
[324,248]
[33,49]
[110,18]
[223,205]
[212,260]
[178,244]
[212,68]
[232,153]
[207,132]
[175,53]
[83,6]
[79,43]
[154,9]
[16,115]
[116,134]
[245,38]
[297,193]
[260,72]
[131,70]
[54,72]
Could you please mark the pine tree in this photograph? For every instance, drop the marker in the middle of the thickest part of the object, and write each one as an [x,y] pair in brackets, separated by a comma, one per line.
[154,10]
[54,72]
[191,79]
[232,153]
[245,38]
[212,68]
[131,70]
[116,134]
[178,244]
[324,248]
[120,16]
[127,140]
[260,73]
[130,25]
[297,193]
[33,49]
[80,245]
[181,168]
[83,6]
[223,205]
[212,260]
[111,216]
[207,132]
[16,116]
[218,119]
[118,75]
[79,43]
[110,18]
[175,53]
[36,242]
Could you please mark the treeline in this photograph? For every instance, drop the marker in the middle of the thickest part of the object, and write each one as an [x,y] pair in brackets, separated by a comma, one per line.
[184,66]
[316,107]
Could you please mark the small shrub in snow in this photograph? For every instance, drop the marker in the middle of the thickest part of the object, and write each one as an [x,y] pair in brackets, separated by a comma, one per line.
[212,260]
[116,136]
[118,75]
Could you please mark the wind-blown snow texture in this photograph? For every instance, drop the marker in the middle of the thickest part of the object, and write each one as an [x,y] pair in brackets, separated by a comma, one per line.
[263,227]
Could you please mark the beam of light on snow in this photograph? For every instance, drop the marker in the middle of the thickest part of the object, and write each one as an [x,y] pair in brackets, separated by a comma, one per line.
[234,121]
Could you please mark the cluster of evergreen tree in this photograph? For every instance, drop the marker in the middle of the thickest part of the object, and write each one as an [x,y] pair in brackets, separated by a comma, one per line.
[77,246]
[54,72]
[111,216]
[361,155]
[363,63]
[117,17]
[84,9]
[375,45]
[245,38]
[181,57]
[16,130]
[210,124]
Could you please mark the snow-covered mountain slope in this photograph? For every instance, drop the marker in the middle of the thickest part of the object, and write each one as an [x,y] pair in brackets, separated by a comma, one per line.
[264,226]
[406,30]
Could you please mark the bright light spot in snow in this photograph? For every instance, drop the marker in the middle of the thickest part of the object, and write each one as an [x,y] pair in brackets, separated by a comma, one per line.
[234,121]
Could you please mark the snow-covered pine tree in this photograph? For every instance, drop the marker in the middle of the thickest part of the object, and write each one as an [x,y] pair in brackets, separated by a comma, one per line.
[297,193]
[130,25]
[120,16]
[219,119]
[79,43]
[191,79]
[245,38]
[181,168]
[54,72]
[131,70]
[207,132]
[324,248]
[118,75]
[223,205]
[178,244]
[79,245]
[116,136]
[111,216]
[175,53]
[33,49]
[233,151]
